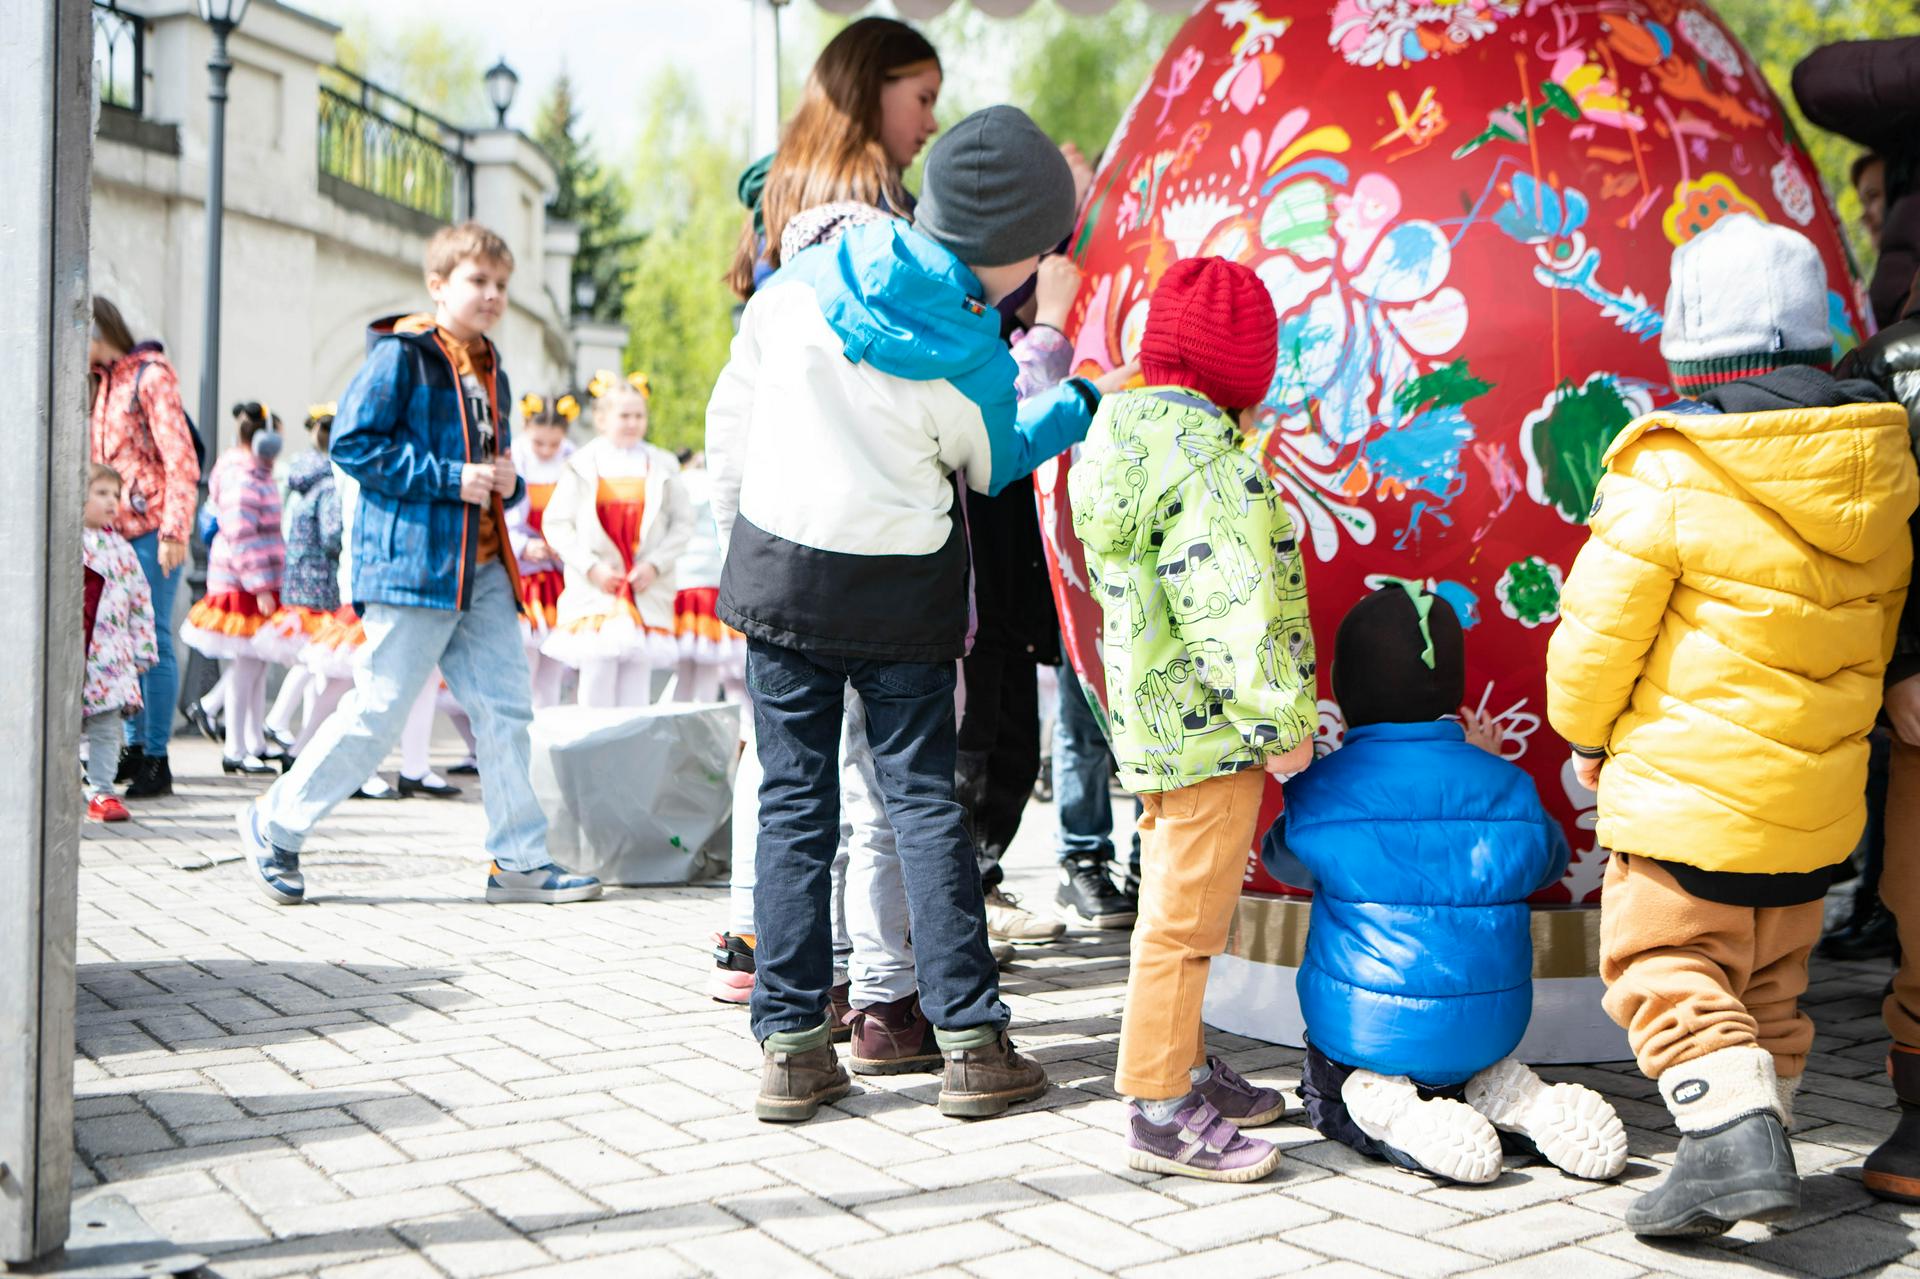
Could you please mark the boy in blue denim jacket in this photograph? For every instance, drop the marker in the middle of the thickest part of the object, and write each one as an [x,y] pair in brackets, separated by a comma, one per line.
[423,445]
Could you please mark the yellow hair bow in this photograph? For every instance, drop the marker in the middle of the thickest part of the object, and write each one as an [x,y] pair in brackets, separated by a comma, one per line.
[531,405]
[567,407]
[641,383]
[329,409]
[603,381]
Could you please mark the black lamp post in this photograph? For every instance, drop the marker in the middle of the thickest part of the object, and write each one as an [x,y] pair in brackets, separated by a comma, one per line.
[585,294]
[223,16]
[502,81]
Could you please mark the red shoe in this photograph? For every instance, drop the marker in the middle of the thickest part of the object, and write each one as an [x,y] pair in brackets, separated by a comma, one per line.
[107,808]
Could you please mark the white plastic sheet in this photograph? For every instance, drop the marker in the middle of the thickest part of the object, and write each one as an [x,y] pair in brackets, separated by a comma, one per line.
[639,796]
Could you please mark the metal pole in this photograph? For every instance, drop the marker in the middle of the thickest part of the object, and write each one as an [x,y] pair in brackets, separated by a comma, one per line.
[765,134]
[46,47]
[217,67]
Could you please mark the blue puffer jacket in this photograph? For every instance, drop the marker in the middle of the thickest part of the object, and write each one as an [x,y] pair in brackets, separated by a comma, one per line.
[402,436]
[1424,850]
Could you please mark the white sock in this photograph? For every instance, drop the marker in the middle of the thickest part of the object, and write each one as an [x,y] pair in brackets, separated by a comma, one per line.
[1198,1075]
[1158,1112]
[1712,1091]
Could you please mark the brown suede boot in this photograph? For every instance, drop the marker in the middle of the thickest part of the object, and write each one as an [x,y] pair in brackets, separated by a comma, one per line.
[1893,1170]
[986,1080]
[839,1008]
[795,1084]
[892,1039]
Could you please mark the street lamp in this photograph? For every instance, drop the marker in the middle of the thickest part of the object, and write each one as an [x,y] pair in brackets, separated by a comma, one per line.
[501,83]
[585,294]
[223,16]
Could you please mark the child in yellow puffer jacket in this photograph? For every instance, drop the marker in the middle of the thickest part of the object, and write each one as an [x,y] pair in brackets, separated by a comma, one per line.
[1717,670]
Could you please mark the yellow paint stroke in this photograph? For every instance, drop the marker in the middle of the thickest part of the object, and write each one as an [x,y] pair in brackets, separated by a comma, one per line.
[1328,137]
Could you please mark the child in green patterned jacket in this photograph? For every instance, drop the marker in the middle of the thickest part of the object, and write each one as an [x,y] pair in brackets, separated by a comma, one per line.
[1210,687]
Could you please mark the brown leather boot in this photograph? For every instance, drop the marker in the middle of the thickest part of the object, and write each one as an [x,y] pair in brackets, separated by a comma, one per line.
[793,1085]
[985,1081]
[892,1039]
[839,1008]
[1893,1170]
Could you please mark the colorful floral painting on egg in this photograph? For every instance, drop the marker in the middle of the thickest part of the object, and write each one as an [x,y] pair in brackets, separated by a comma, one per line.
[1463,210]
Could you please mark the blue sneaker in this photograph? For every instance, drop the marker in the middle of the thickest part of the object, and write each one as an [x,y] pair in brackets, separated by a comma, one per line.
[548,884]
[276,870]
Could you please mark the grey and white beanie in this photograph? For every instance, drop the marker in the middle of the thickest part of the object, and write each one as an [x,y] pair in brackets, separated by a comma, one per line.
[1747,297]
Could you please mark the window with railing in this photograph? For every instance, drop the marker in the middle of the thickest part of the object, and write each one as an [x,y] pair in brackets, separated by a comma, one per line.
[381,143]
[119,56]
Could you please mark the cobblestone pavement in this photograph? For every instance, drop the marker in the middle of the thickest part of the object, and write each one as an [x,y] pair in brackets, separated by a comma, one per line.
[401,1081]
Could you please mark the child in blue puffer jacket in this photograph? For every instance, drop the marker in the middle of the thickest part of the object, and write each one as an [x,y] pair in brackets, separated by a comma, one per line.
[1418,976]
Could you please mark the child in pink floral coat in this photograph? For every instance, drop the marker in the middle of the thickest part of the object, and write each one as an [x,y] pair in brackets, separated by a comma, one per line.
[119,637]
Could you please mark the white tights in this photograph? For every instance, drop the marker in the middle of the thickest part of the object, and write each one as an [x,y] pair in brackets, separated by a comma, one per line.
[696,681]
[547,676]
[296,692]
[616,682]
[246,706]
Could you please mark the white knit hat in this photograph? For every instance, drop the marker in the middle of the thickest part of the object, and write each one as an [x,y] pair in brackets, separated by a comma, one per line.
[1747,297]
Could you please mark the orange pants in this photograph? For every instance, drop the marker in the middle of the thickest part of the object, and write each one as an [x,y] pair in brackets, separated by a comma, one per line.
[1900,890]
[1687,977]
[1193,860]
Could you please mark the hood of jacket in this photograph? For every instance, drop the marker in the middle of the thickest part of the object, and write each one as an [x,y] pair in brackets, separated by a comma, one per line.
[307,470]
[1186,441]
[899,302]
[1811,449]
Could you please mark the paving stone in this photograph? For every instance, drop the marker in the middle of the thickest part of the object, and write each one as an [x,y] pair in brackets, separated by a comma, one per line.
[1382,1248]
[1255,1259]
[402,1081]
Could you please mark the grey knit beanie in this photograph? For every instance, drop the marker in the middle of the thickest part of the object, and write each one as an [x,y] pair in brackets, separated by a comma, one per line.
[1747,297]
[997,189]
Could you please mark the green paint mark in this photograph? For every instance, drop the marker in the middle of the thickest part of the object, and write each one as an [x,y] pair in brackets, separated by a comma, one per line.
[1450,384]
[1529,591]
[1570,440]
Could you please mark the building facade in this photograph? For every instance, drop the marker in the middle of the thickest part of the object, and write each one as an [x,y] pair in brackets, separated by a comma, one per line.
[332,187]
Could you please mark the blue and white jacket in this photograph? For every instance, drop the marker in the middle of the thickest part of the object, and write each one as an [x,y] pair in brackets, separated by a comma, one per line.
[1424,850]
[866,373]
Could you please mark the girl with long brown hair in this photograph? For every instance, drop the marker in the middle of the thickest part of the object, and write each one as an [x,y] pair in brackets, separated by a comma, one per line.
[863,117]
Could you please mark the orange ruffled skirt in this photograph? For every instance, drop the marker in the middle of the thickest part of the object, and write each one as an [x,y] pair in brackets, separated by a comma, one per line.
[224,626]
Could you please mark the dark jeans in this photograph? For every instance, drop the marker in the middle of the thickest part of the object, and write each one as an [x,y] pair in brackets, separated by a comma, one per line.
[999,756]
[151,727]
[798,710]
[1082,771]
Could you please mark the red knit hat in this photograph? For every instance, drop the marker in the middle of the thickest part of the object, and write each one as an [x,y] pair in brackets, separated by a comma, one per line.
[1211,328]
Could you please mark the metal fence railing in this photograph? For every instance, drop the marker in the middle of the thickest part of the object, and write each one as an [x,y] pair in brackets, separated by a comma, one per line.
[381,143]
[119,56]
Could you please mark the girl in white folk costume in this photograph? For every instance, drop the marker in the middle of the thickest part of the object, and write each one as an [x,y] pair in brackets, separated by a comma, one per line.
[540,458]
[619,520]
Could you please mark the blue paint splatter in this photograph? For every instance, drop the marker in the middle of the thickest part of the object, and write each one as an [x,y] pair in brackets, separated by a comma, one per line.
[1466,605]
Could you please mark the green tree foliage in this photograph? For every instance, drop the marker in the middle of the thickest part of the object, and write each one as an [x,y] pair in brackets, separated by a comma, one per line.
[591,197]
[1079,75]
[428,62]
[1778,33]
[679,313]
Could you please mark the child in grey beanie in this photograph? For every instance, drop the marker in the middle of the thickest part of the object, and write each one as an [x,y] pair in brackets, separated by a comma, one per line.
[997,189]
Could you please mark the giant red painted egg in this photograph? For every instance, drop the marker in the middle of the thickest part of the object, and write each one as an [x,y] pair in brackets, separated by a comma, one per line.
[1464,212]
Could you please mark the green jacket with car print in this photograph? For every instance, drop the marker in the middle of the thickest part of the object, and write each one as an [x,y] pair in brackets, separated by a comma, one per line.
[1209,659]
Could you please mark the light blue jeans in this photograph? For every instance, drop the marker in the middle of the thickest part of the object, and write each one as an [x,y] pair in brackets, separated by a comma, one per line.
[478,652]
[151,727]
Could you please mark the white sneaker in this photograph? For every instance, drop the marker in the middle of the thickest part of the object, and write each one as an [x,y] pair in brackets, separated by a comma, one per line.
[1448,1138]
[1574,1126]
[1006,921]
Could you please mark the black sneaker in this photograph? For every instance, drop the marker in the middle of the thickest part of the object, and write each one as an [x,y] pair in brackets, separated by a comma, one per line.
[153,780]
[1087,896]
[130,759]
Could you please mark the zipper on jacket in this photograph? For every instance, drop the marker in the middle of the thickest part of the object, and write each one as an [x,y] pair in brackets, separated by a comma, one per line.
[466,451]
